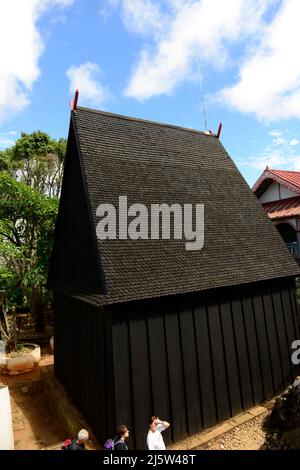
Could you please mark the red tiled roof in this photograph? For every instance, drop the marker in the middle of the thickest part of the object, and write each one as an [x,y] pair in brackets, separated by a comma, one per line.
[292,177]
[289,179]
[284,208]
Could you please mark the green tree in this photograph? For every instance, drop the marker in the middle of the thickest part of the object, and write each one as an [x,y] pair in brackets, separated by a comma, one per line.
[27,220]
[6,162]
[36,160]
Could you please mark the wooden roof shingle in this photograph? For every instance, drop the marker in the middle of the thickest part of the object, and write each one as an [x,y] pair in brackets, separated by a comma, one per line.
[156,163]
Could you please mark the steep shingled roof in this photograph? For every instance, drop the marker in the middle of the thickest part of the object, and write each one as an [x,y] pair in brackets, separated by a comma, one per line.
[157,163]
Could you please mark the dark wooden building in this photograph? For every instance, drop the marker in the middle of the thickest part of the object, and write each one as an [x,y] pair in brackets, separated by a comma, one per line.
[145,327]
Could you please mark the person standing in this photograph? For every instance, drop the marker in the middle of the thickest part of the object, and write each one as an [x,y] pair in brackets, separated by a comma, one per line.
[154,439]
[122,435]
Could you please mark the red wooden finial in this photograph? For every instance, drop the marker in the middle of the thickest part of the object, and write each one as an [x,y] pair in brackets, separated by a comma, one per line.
[267,167]
[75,99]
[73,106]
[217,135]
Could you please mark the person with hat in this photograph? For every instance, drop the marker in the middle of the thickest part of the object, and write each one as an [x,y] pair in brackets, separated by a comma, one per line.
[78,443]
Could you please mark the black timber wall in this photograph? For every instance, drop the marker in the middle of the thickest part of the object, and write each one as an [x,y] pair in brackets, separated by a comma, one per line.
[193,360]
[83,360]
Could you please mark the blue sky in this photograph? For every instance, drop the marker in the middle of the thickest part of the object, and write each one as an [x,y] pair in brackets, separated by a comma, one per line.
[139,58]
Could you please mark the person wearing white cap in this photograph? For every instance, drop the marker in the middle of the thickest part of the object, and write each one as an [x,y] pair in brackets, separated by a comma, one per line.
[79,443]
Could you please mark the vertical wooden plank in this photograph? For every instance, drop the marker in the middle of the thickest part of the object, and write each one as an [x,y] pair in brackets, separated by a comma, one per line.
[91,365]
[68,316]
[122,373]
[73,352]
[109,373]
[272,339]
[86,344]
[101,410]
[58,334]
[80,351]
[192,389]
[179,429]
[219,368]
[241,347]
[284,347]
[290,325]
[83,358]
[263,343]
[230,355]
[94,383]
[158,364]
[252,346]
[209,407]
[294,305]
[141,398]
[296,316]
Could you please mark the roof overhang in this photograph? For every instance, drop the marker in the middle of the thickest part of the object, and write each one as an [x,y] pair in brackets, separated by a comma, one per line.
[267,178]
[285,208]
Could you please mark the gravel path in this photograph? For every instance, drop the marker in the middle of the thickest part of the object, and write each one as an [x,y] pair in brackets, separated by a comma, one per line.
[247,436]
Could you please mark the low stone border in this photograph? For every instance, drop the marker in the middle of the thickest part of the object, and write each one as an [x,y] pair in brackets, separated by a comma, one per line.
[21,363]
[204,437]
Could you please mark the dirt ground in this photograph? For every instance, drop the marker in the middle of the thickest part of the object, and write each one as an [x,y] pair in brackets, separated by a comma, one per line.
[247,436]
[34,423]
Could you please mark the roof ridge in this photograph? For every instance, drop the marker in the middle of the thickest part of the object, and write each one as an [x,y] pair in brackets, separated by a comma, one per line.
[148,121]
[284,171]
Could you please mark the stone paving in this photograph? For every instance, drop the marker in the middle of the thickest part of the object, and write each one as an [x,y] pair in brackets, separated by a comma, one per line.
[201,441]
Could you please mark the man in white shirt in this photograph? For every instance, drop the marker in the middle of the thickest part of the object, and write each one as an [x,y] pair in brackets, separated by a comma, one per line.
[154,439]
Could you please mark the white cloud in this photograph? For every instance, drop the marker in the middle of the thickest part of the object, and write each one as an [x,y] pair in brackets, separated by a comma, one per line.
[107,8]
[5,143]
[269,79]
[143,16]
[190,27]
[267,158]
[84,77]
[21,46]
[275,160]
[7,139]
[275,133]
[139,16]
[266,32]
[280,141]
[279,154]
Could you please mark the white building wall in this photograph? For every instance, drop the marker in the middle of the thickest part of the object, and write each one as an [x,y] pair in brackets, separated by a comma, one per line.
[6,429]
[271,194]
[285,192]
[275,192]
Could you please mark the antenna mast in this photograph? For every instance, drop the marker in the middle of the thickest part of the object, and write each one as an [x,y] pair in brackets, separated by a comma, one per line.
[201,94]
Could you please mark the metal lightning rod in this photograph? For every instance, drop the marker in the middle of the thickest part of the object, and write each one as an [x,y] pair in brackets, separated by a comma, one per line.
[201,94]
